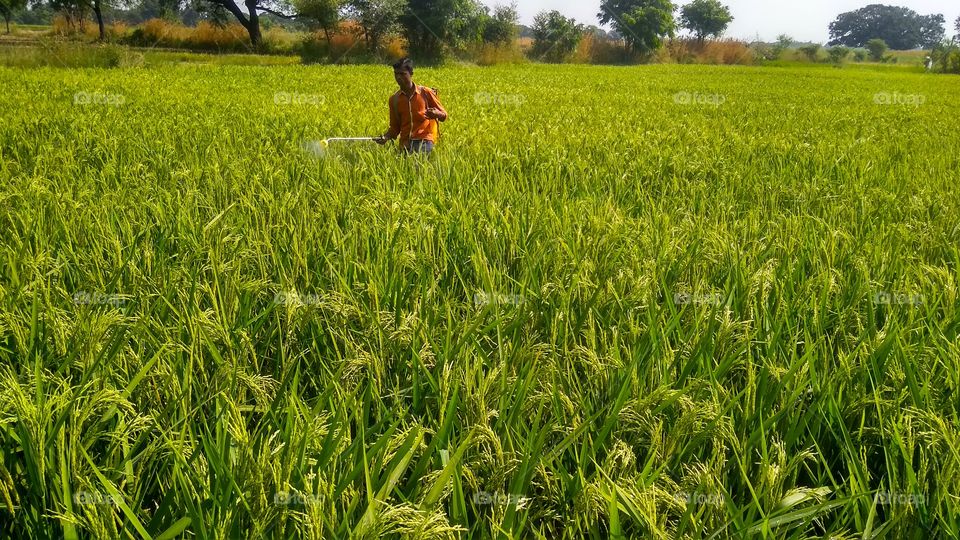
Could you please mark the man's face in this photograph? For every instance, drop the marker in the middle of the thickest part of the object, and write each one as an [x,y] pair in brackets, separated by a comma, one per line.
[403,77]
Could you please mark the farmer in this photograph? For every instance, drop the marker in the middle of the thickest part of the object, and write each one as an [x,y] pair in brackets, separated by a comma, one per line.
[414,111]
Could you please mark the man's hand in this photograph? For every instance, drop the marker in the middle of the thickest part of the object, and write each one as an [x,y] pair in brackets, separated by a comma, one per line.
[381,140]
[433,114]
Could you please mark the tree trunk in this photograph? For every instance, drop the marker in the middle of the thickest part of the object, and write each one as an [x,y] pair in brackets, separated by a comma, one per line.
[98,12]
[8,23]
[326,33]
[253,24]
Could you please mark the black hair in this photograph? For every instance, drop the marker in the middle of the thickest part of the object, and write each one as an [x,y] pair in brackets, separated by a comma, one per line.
[404,64]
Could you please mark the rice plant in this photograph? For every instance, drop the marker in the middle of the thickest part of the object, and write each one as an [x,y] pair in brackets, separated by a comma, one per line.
[646,302]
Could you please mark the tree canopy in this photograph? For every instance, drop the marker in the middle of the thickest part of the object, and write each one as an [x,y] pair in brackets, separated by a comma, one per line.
[901,28]
[642,23]
[705,18]
[555,37]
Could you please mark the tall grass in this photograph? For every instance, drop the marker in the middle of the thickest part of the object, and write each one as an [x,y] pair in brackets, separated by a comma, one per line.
[347,46]
[720,51]
[54,53]
[208,37]
[602,311]
[592,50]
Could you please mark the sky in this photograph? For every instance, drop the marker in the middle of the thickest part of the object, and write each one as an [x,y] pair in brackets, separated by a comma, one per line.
[804,20]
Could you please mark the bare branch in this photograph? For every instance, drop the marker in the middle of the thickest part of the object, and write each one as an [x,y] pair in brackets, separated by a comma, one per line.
[277,13]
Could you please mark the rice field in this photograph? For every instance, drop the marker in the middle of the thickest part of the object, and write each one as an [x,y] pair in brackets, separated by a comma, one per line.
[645,302]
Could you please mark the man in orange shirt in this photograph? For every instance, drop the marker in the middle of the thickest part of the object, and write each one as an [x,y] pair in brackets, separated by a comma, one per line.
[413,111]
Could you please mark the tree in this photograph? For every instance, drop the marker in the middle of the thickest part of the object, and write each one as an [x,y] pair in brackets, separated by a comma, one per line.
[876,48]
[157,9]
[705,18]
[811,51]
[956,26]
[932,30]
[643,23]
[784,42]
[98,13]
[216,14]
[901,28]
[502,27]
[325,14]
[946,57]
[9,7]
[74,12]
[838,54]
[431,26]
[555,37]
[249,15]
[467,24]
[377,19]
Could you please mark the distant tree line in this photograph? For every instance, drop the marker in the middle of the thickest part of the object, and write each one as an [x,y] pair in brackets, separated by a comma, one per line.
[643,25]
[432,28]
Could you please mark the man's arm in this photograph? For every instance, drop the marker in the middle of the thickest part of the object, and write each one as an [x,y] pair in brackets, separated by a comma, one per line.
[435,110]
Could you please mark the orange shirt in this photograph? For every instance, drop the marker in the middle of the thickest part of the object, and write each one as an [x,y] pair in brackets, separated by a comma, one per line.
[408,115]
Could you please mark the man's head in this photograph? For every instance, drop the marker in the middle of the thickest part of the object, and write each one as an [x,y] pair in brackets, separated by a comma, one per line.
[403,73]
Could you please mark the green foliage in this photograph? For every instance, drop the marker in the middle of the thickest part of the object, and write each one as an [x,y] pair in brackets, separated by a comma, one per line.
[503,26]
[838,54]
[705,18]
[324,14]
[784,42]
[876,48]
[215,13]
[643,23]
[763,51]
[377,19]
[901,28]
[729,309]
[467,25]
[555,37]
[75,12]
[432,27]
[8,8]
[811,51]
[169,10]
[946,57]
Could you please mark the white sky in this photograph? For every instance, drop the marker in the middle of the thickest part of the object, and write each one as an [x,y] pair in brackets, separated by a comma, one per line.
[804,20]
